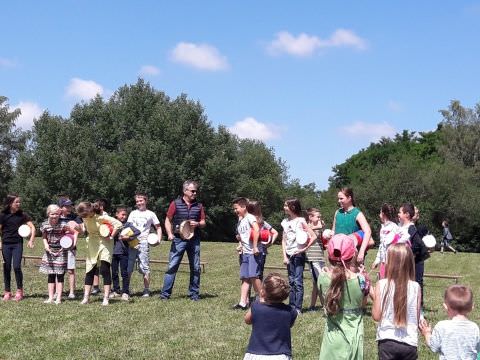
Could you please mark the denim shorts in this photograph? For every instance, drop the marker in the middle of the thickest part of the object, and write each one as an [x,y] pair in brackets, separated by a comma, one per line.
[250,266]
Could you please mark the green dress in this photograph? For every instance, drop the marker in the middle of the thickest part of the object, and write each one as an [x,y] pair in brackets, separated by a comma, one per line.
[346,221]
[343,335]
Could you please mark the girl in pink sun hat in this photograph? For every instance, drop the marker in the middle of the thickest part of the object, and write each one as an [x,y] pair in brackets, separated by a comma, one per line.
[344,291]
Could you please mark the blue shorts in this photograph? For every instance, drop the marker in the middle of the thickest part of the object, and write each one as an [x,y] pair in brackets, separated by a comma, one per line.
[250,266]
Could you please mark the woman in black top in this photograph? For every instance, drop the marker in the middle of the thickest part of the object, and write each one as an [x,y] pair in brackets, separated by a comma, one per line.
[11,218]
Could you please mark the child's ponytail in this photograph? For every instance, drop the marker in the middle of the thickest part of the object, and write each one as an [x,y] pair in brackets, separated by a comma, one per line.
[335,291]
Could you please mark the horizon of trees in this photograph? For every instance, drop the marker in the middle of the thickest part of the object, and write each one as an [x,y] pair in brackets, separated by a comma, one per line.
[142,140]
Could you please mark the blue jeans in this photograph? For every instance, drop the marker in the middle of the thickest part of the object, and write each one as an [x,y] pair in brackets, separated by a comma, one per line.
[178,248]
[295,269]
[120,260]
[419,269]
[12,253]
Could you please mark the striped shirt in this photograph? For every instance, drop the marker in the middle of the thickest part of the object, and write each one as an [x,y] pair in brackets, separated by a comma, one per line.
[456,339]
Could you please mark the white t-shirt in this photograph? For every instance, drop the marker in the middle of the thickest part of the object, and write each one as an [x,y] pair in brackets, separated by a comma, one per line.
[386,328]
[244,229]
[143,221]
[290,228]
[456,339]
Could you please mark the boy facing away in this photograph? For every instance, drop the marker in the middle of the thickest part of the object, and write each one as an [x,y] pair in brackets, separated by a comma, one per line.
[250,261]
[458,337]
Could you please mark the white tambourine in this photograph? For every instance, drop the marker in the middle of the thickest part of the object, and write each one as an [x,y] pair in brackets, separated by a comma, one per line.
[153,239]
[66,242]
[24,231]
[301,237]
[429,241]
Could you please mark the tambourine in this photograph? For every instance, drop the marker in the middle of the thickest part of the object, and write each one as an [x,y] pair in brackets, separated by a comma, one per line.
[153,239]
[429,241]
[66,242]
[105,229]
[185,230]
[24,231]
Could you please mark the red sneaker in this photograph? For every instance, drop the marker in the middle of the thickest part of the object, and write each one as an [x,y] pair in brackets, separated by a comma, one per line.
[7,296]
[19,295]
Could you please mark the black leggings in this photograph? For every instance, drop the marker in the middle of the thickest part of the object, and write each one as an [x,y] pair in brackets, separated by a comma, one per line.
[104,271]
[12,253]
[58,277]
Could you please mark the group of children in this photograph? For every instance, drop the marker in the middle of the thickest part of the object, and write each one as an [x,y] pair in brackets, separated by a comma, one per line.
[344,289]
[125,245]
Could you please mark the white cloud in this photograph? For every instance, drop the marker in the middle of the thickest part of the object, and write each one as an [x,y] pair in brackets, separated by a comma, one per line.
[149,70]
[83,89]
[199,56]
[370,131]
[250,128]
[305,45]
[7,63]
[30,111]
[394,106]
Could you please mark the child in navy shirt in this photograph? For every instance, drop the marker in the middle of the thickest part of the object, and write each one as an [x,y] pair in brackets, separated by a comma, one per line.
[271,321]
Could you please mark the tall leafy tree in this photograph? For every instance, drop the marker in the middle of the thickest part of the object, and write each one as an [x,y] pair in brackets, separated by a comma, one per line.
[12,141]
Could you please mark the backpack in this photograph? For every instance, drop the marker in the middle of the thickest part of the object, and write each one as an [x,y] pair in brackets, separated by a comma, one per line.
[419,249]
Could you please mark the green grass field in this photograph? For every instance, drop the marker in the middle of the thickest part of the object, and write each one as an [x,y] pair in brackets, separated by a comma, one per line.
[179,328]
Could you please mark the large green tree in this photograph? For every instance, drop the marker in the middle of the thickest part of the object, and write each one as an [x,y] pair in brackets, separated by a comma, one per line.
[12,141]
[141,140]
[438,171]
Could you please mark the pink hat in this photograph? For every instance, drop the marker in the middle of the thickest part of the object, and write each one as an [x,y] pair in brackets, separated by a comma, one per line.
[341,247]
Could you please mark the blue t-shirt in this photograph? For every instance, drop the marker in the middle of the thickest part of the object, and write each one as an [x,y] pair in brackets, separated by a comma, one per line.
[271,325]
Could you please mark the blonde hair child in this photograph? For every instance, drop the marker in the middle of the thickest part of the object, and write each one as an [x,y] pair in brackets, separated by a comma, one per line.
[54,260]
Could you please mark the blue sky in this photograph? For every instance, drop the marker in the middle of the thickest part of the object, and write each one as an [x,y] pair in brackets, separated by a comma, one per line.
[317,81]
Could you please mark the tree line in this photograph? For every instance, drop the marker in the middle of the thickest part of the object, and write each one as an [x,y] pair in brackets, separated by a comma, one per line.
[141,140]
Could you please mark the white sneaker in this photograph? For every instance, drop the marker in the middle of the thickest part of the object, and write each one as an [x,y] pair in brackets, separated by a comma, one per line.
[71,296]
[84,301]
[58,301]
[125,297]
[105,302]
[48,301]
[114,295]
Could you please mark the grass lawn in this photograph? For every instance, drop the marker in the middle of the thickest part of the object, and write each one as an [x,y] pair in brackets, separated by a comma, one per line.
[179,328]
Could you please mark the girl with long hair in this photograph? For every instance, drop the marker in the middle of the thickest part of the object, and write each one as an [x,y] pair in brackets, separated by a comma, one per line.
[396,306]
[344,292]
[11,218]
